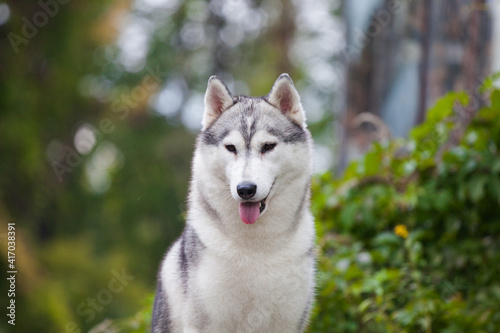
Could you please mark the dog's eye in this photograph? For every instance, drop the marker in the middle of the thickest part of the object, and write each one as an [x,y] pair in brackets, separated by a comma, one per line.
[231,148]
[267,147]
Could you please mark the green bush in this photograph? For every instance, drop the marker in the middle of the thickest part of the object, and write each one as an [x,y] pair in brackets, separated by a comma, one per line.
[409,236]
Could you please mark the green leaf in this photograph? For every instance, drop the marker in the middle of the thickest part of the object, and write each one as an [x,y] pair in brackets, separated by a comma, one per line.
[372,163]
[386,238]
[495,99]
[477,186]
[494,186]
[444,106]
[488,83]
[365,304]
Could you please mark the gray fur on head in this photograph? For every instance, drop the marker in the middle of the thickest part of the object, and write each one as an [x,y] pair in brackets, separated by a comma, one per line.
[285,98]
[217,100]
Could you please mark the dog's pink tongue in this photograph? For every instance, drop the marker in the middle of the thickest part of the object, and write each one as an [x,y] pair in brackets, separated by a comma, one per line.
[249,212]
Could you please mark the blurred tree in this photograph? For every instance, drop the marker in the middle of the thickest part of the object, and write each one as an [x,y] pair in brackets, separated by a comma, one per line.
[403,55]
[83,204]
[99,104]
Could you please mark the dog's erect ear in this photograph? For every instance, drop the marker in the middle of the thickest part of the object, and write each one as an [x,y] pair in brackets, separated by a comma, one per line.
[217,100]
[285,97]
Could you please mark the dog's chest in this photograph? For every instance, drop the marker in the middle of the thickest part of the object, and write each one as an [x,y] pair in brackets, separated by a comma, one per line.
[253,289]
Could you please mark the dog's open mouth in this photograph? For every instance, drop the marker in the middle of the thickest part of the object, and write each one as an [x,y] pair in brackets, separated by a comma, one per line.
[251,210]
[262,205]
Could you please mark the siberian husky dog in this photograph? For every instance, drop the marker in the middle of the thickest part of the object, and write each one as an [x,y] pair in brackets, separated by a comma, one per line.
[245,261]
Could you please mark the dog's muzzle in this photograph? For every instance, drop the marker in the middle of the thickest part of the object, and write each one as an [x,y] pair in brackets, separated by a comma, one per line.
[250,210]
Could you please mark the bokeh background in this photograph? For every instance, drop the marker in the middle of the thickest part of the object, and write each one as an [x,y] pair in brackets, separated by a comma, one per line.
[100,103]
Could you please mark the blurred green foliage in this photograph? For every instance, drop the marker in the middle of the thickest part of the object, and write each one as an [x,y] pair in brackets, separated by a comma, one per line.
[409,236]
[70,238]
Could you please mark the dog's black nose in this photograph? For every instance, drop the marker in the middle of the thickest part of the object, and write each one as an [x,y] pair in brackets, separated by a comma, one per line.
[246,190]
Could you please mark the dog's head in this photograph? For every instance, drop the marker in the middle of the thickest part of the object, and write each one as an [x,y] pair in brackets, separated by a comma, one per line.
[255,146]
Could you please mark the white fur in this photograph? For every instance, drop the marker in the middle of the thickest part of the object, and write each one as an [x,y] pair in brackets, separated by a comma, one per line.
[250,278]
